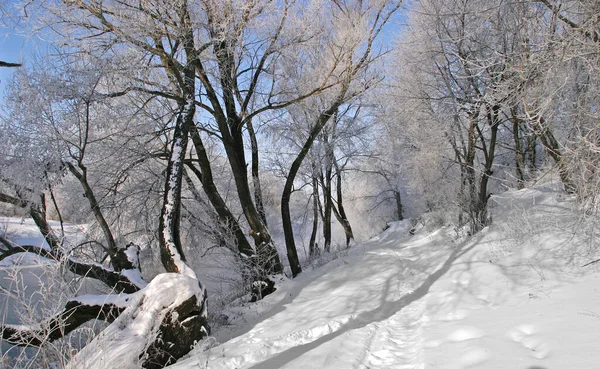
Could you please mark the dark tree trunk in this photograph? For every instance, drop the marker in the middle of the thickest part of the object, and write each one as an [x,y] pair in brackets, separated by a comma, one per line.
[80,172]
[553,148]
[313,248]
[327,202]
[288,230]
[340,212]
[519,155]
[468,191]
[210,189]
[73,316]
[399,211]
[81,175]
[481,214]
[258,195]
[230,126]
[531,152]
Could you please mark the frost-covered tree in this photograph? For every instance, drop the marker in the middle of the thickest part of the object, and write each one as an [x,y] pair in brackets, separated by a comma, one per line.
[458,58]
[62,123]
[353,48]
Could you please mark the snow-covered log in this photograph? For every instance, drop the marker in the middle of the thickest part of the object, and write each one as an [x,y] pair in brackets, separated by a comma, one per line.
[160,325]
[150,328]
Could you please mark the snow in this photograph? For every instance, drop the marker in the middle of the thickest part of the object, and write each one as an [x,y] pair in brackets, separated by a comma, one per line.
[516,295]
[121,300]
[513,296]
[25,232]
[120,345]
[135,277]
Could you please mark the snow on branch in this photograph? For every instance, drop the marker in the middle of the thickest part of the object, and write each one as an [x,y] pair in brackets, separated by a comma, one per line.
[128,280]
[75,313]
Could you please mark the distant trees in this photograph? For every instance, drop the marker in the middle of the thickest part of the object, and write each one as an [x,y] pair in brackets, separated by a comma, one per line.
[353,50]
[486,76]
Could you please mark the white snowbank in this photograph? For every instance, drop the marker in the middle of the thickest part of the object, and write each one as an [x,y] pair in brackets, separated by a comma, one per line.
[513,296]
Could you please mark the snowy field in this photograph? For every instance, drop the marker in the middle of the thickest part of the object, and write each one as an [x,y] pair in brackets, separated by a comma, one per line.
[514,296]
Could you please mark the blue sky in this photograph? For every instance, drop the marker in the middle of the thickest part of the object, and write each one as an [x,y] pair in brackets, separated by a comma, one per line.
[13,48]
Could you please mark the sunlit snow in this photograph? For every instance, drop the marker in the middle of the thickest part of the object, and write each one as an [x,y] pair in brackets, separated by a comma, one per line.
[514,296]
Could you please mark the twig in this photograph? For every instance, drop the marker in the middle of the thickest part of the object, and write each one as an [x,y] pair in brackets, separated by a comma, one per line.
[591,262]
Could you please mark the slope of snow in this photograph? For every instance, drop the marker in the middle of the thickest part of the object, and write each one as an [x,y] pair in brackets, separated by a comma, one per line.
[514,296]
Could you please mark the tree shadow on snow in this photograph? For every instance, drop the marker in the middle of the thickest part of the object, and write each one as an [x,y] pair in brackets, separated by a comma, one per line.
[384,311]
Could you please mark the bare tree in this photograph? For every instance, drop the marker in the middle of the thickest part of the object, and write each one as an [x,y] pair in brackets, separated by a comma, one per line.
[352,55]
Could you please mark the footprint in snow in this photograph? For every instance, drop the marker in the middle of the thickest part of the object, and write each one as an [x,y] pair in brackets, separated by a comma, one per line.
[524,334]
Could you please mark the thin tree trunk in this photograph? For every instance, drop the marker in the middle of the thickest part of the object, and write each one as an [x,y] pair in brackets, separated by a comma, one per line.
[532,152]
[81,176]
[210,189]
[340,212]
[288,229]
[80,172]
[519,155]
[399,210]
[327,208]
[481,217]
[258,195]
[553,148]
[313,248]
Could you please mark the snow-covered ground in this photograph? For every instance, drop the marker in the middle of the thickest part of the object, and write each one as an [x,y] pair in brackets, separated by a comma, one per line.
[514,296]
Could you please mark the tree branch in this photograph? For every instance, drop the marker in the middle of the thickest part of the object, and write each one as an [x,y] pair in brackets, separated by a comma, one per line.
[9,65]
[74,314]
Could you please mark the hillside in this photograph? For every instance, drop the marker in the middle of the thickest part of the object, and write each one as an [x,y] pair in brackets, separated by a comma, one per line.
[513,296]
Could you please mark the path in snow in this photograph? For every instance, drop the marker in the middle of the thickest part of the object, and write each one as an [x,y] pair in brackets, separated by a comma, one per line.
[513,296]
[364,311]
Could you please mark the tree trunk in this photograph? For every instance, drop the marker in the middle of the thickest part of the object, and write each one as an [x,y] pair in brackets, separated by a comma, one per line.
[258,195]
[481,214]
[531,152]
[327,208]
[210,189]
[340,212]
[553,148]
[519,155]
[288,229]
[313,248]
[399,211]
[171,250]
[230,126]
